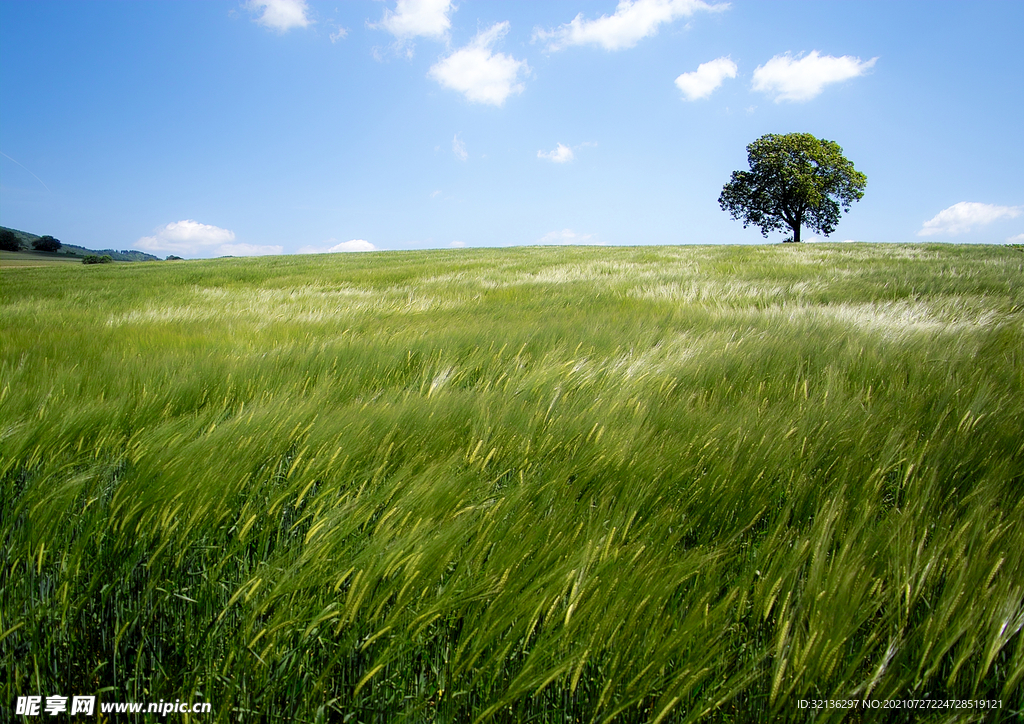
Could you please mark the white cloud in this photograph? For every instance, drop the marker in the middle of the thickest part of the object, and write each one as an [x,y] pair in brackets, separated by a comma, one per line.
[459,149]
[412,18]
[190,238]
[458,245]
[633,20]
[280,15]
[339,34]
[566,236]
[249,250]
[1018,239]
[964,216]
[351,245]
[702,82]
[482,75]
[807,76]
[561,154]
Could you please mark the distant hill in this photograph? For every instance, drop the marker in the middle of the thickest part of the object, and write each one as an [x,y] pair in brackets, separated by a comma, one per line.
[76,251]
[24,237]
[123,255]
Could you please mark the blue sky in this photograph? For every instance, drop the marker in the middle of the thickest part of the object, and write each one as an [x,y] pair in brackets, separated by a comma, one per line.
[210,128]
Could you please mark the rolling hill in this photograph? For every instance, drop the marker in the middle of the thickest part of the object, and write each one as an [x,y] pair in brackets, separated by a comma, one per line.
[73,250]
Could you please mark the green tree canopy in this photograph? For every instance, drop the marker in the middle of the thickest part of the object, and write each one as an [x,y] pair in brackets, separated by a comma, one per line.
[46,243]
[794,180]
[9,240]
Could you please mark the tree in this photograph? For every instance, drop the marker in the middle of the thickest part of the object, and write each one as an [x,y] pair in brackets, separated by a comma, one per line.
[46,243]
[794,180]
[9,240]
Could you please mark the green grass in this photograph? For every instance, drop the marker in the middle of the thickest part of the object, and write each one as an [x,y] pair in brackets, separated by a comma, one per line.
[14,259]
[532,484]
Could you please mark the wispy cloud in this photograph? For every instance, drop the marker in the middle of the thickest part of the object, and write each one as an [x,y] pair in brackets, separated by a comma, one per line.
[632,21]
[803,78]
[458,245]
[331,247]
[191,238]
[339,34]
[415,18]
[1018,239]
[702,82]
[561,154]
[964,216]
[567,236]
[459,149]
[280,15]
[479,73]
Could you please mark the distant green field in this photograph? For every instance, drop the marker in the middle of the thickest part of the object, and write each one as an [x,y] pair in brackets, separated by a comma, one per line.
[10,259]
[652,484]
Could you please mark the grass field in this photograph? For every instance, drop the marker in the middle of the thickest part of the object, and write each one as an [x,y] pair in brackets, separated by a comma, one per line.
[13,259]
[655,484]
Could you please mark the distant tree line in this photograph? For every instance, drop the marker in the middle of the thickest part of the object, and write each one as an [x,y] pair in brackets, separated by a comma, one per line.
[46,243]
[9,241]
[14,240]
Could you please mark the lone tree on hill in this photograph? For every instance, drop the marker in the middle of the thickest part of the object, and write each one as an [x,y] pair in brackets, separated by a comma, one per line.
[794,180]
[46,243]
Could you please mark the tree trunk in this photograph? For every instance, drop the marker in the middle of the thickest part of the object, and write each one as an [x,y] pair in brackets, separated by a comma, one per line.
[798,217]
